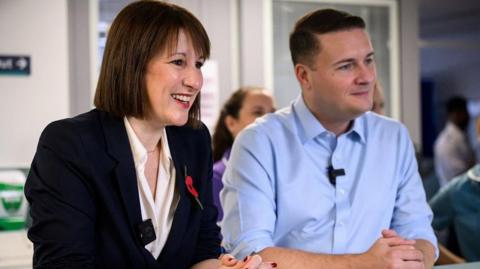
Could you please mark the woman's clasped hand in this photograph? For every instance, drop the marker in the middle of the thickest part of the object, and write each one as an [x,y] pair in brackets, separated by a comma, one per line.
[250,262]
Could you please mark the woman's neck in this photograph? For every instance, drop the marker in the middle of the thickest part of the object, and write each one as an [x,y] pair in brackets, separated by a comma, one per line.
[148,133]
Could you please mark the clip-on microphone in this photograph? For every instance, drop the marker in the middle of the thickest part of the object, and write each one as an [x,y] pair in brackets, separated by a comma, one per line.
[146,232]
[334,173]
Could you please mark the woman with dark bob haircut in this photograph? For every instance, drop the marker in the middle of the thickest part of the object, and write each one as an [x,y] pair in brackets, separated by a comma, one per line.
[127,184]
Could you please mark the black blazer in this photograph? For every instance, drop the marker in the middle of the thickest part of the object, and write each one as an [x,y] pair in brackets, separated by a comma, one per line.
[85,208]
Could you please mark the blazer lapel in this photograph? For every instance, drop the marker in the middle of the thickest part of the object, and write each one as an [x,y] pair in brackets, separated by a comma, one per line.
[182,213]
[119,149]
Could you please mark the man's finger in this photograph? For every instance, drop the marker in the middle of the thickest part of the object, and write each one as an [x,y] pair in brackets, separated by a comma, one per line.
[408,254]
[396,241]
[389,233]
[404,247]
[413,265]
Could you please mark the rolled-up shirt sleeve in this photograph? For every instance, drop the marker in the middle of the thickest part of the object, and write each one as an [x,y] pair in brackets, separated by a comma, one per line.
[248,196]
[412,216]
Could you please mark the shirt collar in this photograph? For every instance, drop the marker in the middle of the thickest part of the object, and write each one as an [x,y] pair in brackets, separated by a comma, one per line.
[474,173]
[139,152]
[312,128]
[358,128]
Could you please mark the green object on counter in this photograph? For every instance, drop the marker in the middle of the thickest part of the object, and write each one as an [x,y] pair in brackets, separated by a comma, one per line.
[11,197]
[11,200]
[12,223]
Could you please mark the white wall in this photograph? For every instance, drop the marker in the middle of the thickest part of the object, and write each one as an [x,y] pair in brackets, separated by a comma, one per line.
[60,36]
[28,103]
[256,47]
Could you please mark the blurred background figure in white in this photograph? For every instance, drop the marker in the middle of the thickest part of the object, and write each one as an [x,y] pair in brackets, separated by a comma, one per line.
[453,154]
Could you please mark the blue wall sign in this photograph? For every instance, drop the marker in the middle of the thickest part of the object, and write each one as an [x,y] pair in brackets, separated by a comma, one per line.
[18,65]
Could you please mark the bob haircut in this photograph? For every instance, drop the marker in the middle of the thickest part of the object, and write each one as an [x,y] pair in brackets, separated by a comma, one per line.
[138,33]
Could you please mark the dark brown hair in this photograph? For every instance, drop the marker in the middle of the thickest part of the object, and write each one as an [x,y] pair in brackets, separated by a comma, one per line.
[138,33]
[222,138]
[304,45]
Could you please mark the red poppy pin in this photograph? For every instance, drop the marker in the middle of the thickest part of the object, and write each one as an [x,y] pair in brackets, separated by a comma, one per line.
[191,189]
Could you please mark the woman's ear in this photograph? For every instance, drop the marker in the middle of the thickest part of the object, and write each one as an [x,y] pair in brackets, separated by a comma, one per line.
[303,76]
[231,124]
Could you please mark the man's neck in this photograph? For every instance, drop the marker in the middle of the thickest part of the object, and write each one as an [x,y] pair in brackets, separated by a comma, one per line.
[332,123]
[337,128]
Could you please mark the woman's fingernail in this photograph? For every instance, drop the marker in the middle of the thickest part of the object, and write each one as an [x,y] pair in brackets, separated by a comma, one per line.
[230,259]
[244,260]
[274,265]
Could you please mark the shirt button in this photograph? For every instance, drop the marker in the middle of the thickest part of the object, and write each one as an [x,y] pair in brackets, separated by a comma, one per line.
[340,223]
[341,191]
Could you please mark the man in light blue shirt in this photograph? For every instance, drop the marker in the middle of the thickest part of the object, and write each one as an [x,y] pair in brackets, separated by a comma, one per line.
[322,176]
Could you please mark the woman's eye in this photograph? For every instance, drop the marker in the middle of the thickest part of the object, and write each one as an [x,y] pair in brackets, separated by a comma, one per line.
[198,65]
[178,62]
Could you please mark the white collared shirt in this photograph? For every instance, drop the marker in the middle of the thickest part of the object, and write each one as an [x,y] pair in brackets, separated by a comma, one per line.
[453,154]
[162,209]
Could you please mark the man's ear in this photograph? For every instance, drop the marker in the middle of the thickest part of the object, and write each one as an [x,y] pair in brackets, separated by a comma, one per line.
[303,75]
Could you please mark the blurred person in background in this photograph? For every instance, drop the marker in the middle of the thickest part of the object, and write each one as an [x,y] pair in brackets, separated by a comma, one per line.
[378,99]
[457,205]
[453,154]
[242,108]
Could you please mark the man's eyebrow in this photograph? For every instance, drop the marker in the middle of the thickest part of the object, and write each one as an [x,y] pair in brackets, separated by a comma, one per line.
[371,54]
[344,61]
[350,60]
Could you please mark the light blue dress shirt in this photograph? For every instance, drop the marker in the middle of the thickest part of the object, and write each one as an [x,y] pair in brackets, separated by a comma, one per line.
[458,203]
[277,193]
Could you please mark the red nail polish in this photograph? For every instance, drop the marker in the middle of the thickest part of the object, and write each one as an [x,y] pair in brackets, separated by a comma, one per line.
[230,259]
[274,265]
[244,260]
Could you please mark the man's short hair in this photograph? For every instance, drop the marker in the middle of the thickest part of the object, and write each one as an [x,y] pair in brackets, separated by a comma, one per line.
[304,45]
[456,104]
[138,33]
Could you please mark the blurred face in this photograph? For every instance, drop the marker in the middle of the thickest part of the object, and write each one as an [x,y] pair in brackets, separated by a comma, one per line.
[378,100]
[173,81]
[255,104]
[339,86]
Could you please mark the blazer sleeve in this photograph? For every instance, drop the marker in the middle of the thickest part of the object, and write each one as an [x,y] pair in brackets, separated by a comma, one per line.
[208,242]
[61,202]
